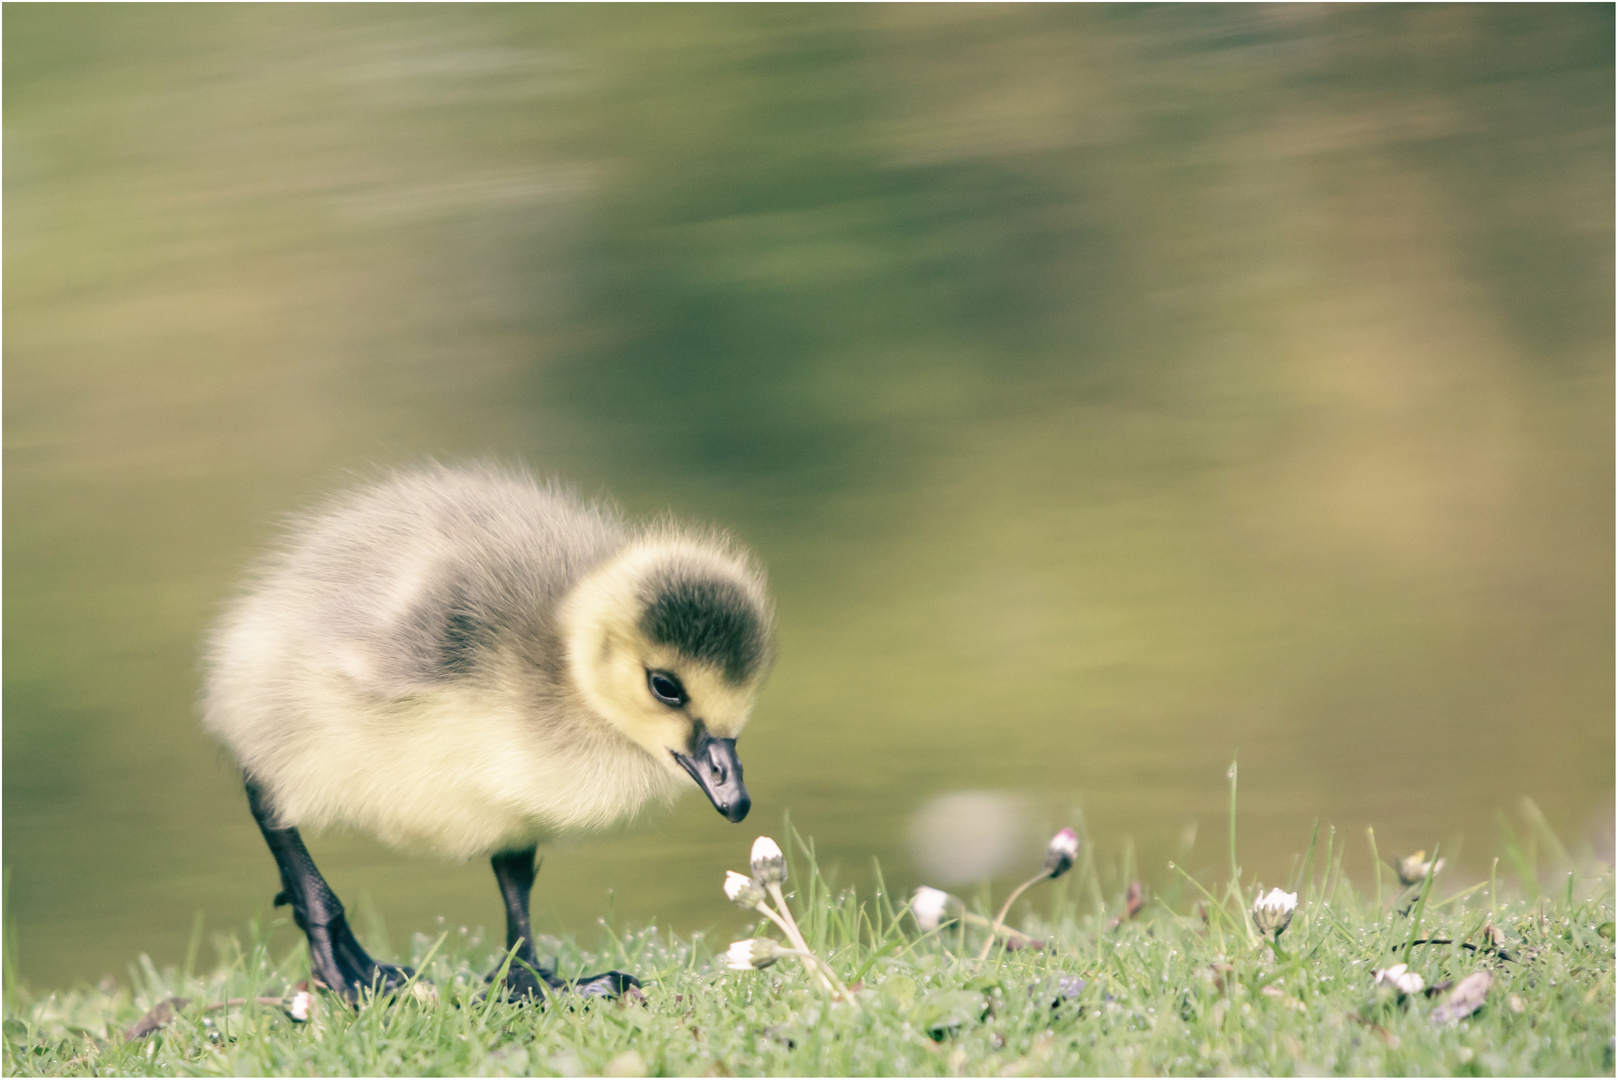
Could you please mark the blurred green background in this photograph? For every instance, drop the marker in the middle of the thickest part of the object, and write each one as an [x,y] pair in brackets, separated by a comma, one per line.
[1110,390]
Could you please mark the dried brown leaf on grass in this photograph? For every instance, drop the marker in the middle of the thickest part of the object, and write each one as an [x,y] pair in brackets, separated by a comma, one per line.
[166,1011]
[159,1015]
[1378,1030]
[1134,902]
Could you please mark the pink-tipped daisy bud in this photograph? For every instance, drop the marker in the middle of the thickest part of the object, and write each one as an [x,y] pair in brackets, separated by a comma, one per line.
[1272,912]
[753,953]
[1400,978]
[743,891]
[1064,846]
[931,907]
[769,865]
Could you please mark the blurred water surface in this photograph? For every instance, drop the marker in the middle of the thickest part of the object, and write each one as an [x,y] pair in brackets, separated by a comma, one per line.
[1111,391]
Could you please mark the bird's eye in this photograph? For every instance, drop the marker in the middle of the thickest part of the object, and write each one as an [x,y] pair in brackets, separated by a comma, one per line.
[666,688]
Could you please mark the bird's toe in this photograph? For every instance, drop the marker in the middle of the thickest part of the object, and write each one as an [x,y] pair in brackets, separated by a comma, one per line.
[523,983]
[389,977]
[608,984]
[357,984]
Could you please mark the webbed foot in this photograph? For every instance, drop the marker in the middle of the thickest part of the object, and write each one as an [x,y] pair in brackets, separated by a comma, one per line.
[342,966]
[336,959]
[526,983]
[608,984]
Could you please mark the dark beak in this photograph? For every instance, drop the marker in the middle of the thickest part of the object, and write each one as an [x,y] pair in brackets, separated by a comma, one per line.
[713,764]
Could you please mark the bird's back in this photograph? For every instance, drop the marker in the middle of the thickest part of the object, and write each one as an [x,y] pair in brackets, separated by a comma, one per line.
[423,591]
[409,582]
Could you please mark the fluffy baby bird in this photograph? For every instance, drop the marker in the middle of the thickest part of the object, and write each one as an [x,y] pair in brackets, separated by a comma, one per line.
[466,662]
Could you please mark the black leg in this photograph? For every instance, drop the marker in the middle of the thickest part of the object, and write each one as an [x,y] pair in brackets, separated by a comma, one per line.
[514,871]
[525,978]
[335,956]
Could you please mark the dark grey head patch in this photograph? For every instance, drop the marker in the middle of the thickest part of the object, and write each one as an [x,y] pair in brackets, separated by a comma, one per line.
[708,619]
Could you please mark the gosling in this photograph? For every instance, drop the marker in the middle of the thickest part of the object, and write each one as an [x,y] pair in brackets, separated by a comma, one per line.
[466,662]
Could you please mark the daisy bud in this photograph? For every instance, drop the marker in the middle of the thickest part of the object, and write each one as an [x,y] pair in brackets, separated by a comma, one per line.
[1059,854]
[1400,978]
[753,953]
[743,891]
[769,865]
[930,907]
[1272,913]
[1412,869]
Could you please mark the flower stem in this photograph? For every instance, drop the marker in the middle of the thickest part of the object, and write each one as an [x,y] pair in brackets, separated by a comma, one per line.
[787,922]
[1005,909]
[995,927]
[1235,868]
[822,970]
[1421,905]
[805,959]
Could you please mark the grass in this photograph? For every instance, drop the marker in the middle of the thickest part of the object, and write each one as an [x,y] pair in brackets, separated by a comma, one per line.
[1185,986]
